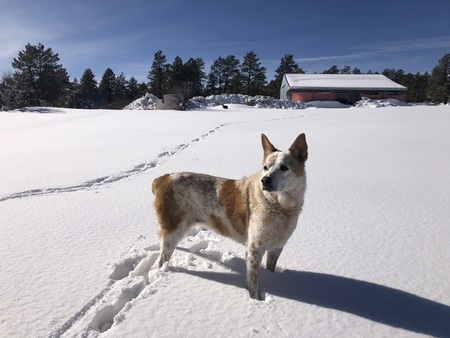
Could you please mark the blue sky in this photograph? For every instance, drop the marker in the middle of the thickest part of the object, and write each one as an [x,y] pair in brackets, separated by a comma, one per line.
[124,35]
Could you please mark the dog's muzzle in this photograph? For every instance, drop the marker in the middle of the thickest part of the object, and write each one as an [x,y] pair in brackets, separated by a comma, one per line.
[266,182]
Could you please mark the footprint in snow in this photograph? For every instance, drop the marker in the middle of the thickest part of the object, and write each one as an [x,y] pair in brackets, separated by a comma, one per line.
[136,272]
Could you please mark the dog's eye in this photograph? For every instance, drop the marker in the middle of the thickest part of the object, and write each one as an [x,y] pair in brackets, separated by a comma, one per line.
[266,168]
[283,168]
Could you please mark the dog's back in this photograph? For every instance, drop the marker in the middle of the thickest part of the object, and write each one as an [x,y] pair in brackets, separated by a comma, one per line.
[182,199]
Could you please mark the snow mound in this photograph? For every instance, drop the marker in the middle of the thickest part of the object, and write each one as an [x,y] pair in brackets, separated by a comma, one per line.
[151,102]
[258,101]
[369,103]
[146,102]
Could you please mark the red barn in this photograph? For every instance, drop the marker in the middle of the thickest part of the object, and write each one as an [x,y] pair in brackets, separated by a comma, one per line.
[345,88]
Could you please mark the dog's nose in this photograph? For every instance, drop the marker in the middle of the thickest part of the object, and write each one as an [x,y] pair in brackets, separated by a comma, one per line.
[266,182]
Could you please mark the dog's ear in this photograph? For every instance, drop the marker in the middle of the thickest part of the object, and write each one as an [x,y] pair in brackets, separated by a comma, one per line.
[299,148]
[267,147]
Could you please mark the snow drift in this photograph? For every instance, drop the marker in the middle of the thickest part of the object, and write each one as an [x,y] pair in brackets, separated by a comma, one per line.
[150,102]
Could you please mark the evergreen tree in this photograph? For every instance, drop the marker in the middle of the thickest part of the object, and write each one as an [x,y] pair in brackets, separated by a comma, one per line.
[75,85]
[253,75]
[108,84]
[88,84]
[40,79]
[356,70]
[158,74]
[395,75]
[288,65]
[121,90]
[132,89]
[212,83]
[8,92]
[421,87]
[215,77]
[345,70]
[439,84]
[176,74]
[417,86]
[332,70]
[230,70]
[223,70]
[195,75]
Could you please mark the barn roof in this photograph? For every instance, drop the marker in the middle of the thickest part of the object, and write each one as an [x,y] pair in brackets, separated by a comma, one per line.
[342,81]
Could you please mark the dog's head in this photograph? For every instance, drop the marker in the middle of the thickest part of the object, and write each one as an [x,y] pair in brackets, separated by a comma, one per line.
[282,169]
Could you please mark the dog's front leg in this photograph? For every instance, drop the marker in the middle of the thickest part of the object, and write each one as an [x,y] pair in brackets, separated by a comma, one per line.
[272,258]
[254,257]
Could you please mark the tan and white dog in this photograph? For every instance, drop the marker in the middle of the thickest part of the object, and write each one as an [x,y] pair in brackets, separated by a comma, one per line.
[260,211]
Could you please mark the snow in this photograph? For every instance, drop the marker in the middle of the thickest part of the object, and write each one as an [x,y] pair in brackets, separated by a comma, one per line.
[146,102]
[150,102]
[343,81]
[78,243]
[373,103]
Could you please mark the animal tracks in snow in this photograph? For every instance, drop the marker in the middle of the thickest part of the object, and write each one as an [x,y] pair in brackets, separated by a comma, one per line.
[135,277]
[140,168]
[101,181]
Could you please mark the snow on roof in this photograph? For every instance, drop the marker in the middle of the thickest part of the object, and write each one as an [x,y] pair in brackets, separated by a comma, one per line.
[342,81]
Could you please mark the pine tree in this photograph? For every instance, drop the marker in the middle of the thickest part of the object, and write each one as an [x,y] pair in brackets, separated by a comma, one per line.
[195,75]
[132,89]
[212,83]
[332,70]
[88,84]
[215,77]
[8,92]
[288,65]
[121,90]
[108,84]
[158,74]
[439,84]
[223,70]
[345,70]
[176,78]
[41,80]
[395,75]
[254,76]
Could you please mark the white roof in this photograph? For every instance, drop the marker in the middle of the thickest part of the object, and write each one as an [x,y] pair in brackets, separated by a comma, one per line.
[342,81]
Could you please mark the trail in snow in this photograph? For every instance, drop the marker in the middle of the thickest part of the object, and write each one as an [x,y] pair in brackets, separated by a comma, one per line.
[135,277]
[140,168]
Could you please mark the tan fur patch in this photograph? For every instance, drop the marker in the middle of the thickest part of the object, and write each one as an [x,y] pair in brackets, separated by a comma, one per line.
[219,226]
[230,197]
[167,210]
[296,166]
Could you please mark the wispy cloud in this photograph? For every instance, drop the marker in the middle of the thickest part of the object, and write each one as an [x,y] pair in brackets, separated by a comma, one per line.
[406,45]
[371,50]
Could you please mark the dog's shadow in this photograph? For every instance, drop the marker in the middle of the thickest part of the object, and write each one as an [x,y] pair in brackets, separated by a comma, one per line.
[375,302]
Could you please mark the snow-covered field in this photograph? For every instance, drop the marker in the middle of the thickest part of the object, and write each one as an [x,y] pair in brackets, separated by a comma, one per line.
[370,256]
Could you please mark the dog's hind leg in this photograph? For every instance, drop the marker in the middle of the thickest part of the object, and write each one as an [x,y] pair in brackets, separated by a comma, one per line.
[170,240]
[272,258]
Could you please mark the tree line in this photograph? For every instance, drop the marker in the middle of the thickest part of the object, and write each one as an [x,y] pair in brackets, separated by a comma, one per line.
[39,79]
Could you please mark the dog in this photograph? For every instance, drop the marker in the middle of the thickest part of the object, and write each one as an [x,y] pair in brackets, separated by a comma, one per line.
[259,211]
